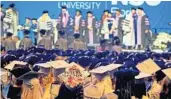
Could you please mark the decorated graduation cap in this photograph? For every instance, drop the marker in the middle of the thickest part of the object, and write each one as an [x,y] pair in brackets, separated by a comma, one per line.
[9,34]
[14,64]
[45,11]
[76,35]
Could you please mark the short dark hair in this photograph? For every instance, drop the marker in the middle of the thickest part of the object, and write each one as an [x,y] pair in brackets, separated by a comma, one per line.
[140,8]
[118,10]
[78,11]
[28,18]
[43,31]
[33,19]
[133,8]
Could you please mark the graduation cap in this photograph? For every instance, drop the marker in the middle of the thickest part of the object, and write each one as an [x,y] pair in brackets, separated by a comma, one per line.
[43,31]
[116,40]
[12,5]
[142,75]
[84,61]
[29,75]
[104,69]
[9,34]
[148,66]
[26,32]
[32,59]
[45,11]
[64,7]
[102,41]
[76,35]
[159,75]
[61,33]
[17,72]
[167,72]
[14,64]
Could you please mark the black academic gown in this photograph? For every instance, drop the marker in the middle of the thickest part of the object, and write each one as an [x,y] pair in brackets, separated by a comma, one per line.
[65,93]
[14,92]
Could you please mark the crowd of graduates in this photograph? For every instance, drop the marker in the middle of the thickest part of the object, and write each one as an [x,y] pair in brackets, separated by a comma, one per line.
[35,73]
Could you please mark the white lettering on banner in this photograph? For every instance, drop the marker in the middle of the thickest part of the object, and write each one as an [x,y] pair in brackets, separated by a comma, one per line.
[124,12]
[80,5]
[137,3]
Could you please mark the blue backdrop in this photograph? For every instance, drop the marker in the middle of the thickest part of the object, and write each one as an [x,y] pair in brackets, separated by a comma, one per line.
[158,12]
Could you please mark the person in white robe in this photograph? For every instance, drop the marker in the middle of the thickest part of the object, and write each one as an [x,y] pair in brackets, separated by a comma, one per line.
[44,22]
[10,21]
[129,31]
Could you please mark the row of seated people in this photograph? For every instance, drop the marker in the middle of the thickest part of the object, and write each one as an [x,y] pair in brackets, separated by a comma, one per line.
[37,73]
[13,43]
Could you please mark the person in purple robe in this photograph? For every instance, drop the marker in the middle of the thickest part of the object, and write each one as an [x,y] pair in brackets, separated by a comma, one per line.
[143,29]
[77,24]
[90,29]
[118,30]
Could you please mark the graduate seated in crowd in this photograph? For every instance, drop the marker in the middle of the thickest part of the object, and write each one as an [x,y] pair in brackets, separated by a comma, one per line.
[116,45]
[103,46]
[61,43]
[9,43]
[46,40]
[26,42]
[17,41]
[78,44]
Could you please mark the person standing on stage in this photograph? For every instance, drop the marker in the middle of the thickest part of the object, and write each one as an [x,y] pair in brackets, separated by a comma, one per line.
[104,24]
[2,15]
[130,31]
[10,21]
[9,43]
[142,28]
[111,25]
[61,43]
[119,20]
[78,23]
[46,40]
[90,30]
[27,26]
[34,29]
[45,23]
[64,21]
[26,42]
